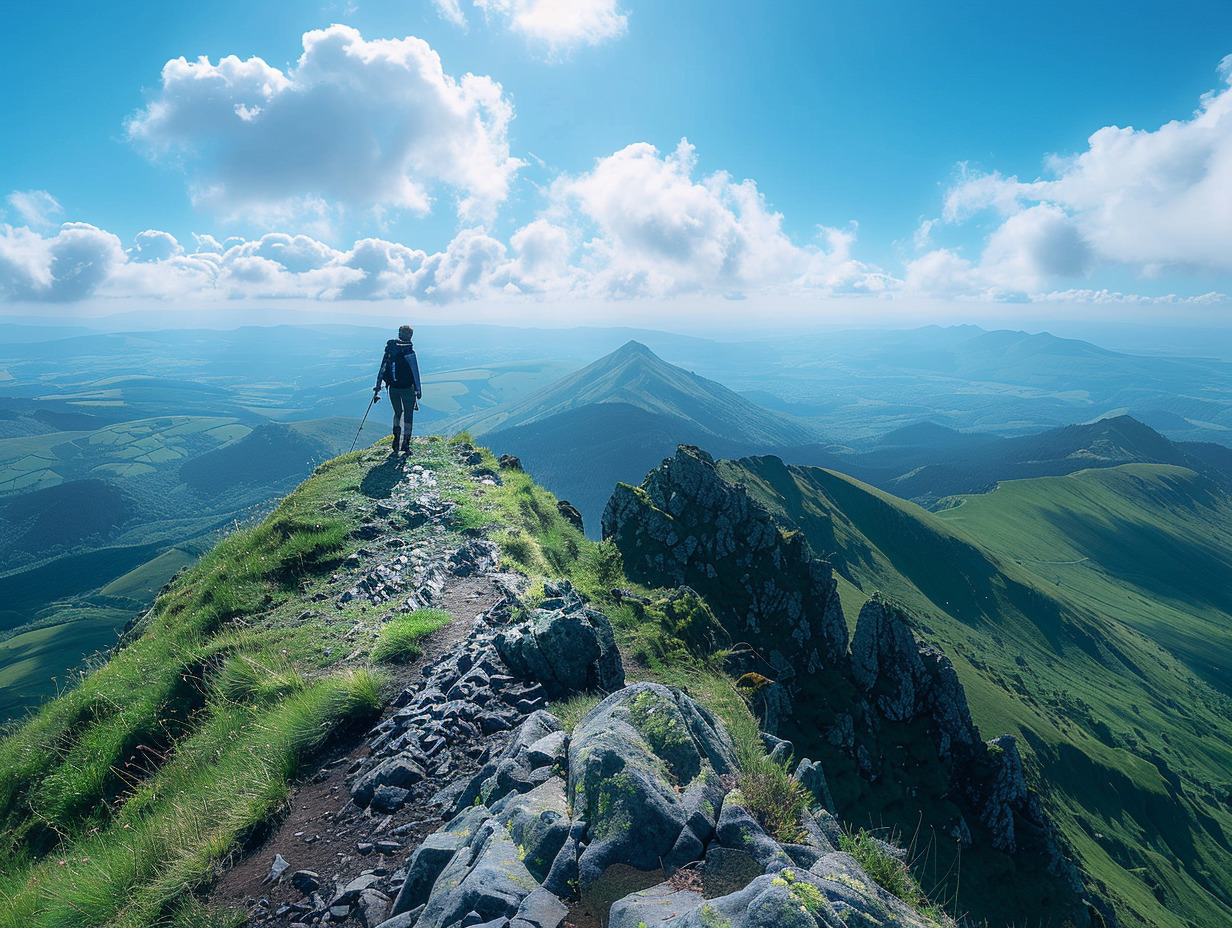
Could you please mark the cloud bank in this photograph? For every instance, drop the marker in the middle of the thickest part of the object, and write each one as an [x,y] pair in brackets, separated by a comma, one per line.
[354,124]
[1151,202]
[639,224]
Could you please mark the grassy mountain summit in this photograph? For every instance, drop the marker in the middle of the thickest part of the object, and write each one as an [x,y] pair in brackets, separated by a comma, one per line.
[1088,615]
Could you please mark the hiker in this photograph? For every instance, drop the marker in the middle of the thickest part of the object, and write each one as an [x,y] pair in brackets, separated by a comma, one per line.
[400,373]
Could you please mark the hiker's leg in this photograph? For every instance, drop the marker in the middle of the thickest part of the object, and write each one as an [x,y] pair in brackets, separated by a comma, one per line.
[396,401]
[404,401]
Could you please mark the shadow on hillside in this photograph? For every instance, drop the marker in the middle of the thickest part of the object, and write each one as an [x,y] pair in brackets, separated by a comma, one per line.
[379,482]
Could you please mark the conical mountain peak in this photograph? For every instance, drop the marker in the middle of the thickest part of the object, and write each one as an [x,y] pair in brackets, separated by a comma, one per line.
[635,376]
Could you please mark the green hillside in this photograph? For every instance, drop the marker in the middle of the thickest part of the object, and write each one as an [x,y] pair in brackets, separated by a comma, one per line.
[1150,544]
[1130,748]
[112,514]
[123,799]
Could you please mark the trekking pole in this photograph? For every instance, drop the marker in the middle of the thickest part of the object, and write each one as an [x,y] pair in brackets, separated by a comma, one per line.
[371,403]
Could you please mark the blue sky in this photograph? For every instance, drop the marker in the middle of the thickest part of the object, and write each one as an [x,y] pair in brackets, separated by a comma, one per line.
[528,158]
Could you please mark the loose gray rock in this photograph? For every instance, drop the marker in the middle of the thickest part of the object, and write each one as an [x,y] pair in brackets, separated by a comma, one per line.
[277,869]
[540,909]
[398,771]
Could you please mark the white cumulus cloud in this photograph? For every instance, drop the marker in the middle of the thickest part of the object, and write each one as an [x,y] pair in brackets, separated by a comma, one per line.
[655,230]
[1153,201]
[355,123]
[69,265]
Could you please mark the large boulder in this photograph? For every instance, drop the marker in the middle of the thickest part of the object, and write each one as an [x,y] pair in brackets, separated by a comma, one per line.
[565,646]
[486,875]
[645,769]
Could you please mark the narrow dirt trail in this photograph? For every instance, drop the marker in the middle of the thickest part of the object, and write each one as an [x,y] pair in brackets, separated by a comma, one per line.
[321,830]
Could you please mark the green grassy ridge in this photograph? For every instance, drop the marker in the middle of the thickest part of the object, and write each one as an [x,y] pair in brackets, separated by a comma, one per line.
[122,797]
[122,794]
[1148,541]
[1131,749]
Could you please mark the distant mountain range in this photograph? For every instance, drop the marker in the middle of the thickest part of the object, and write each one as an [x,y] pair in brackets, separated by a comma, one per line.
[620,416]
[617,417]
[926,462]
[149,442]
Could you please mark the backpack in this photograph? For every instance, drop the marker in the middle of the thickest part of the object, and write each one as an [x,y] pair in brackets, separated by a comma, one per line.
[398,372]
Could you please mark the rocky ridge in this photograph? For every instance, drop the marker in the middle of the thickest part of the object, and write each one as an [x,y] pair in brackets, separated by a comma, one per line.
[629,820]
[469,804]
[686,525]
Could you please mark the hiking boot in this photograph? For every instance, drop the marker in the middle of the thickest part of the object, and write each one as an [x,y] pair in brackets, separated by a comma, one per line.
[406,442]
[397,440]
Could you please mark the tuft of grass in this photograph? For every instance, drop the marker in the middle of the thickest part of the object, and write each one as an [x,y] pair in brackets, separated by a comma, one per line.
[398,641]
[891,874]
[571,711]
[772,796]
[263,676]
[766,788]
[676,629]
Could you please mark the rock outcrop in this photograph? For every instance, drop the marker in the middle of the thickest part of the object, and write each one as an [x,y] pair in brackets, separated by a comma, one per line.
[645,773]
[563,645]
[686,526]
[906,680]
[632,818]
